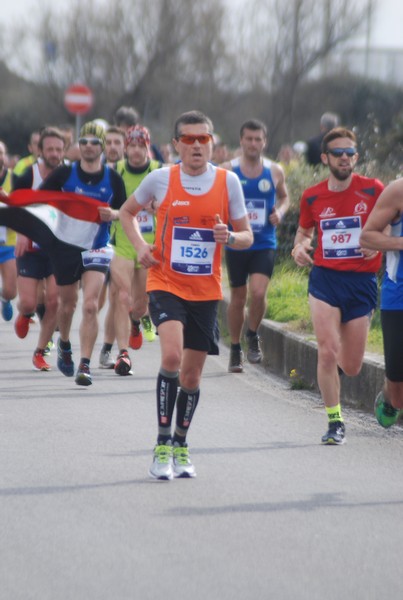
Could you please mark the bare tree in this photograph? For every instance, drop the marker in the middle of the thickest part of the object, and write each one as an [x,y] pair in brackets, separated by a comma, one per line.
[289,40]
[151,53]
[166,56]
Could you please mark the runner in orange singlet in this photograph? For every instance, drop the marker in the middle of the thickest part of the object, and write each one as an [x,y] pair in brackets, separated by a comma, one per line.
[194,201]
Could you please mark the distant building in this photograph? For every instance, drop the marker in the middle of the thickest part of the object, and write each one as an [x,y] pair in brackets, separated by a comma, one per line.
[383,64]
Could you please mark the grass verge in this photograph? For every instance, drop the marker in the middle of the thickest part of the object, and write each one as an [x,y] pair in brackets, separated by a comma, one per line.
[288,303]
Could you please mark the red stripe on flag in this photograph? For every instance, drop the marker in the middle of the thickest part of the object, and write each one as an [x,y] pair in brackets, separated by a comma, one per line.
[74,205]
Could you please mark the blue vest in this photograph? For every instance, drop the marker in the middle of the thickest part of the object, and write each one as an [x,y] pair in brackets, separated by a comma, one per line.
[260,198]
[392,285]
[101,191]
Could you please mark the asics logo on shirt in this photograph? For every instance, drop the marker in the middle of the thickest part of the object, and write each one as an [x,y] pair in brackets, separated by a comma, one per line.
[180,203]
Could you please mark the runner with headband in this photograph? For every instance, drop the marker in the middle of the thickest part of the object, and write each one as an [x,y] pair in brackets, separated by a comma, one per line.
[128,275]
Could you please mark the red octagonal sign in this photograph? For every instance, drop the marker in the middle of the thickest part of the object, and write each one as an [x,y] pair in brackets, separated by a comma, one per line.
[78,99]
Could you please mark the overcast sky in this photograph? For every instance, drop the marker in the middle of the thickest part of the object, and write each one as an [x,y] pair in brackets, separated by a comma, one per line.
[386,33]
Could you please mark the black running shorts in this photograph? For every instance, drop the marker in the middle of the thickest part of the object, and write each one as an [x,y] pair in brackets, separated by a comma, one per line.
[200,331]
[246,262]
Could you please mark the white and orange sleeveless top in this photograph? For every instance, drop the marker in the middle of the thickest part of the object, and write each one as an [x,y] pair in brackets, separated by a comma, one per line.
[189,258]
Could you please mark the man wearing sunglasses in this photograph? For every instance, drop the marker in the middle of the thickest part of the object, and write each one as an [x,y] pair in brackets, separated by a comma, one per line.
[194,201]
[88,176]
[342,282]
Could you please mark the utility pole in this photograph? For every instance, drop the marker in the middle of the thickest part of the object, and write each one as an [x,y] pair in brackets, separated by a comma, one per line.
[327,19]
[368,37]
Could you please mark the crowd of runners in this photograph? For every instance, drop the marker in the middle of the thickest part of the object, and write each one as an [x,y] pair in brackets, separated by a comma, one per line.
[166,214]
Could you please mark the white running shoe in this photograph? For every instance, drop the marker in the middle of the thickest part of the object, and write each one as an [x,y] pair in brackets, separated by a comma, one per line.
[105,360]
[161,467]
[182,464]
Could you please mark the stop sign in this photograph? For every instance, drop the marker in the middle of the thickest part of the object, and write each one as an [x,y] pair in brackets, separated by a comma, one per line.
[78,99]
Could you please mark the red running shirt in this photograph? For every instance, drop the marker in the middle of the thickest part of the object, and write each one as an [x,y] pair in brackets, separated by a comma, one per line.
[338,218]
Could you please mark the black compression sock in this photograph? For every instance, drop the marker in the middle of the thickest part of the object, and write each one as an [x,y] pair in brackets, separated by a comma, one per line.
[185,409]
[167,390]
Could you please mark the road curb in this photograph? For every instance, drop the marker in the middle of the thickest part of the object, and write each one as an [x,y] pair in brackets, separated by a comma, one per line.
[285,351]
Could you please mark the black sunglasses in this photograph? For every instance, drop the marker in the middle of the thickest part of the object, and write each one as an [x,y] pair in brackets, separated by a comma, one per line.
[92,141]
[338,152]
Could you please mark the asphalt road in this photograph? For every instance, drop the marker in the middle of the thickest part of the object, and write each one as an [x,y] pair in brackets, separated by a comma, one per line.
[271,515]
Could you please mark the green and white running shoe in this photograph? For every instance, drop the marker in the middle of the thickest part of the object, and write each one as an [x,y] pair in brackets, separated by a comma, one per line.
[49,346]
[161,467]
[385,413]
[148,328]
[182,464]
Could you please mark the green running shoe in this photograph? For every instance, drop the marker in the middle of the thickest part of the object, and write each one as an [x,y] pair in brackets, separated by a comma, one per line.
[148,329]
[49,346]
[385,413]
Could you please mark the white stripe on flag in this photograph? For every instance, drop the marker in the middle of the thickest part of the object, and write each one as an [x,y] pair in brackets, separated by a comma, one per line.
[67,229]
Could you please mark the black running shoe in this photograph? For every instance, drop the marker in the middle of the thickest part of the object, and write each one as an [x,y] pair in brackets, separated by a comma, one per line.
[254,353]
[123,365]
[235,360]
[335,434]
[65,362]
[83,376]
